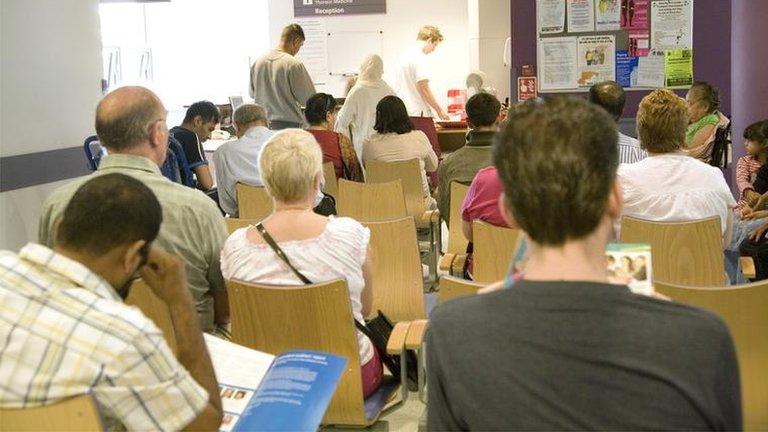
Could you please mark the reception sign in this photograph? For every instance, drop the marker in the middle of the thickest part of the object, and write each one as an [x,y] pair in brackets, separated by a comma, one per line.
[311,8]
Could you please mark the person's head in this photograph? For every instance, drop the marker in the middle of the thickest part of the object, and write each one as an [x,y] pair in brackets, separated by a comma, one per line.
[392,116]
[292,39]
[248,116]
[557,162]
[321,110]
[109,225]
[756,138]
[132,120]
[703,99]
[610,96]
[662,119]
[291,165]
[371,70]
[430,36]
[202,118]
[626,263]
[483,111]
[639,261]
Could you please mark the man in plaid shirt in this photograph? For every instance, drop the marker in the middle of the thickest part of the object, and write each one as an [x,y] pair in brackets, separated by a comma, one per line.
[64,330]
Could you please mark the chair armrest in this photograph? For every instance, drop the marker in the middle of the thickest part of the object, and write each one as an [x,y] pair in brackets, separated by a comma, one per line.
[398,337]
[457,265]
[416,332]
[446,262]
[747,267]
[430,216]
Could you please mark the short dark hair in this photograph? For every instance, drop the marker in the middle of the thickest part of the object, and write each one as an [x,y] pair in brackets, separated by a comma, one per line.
[483,109]
[207,110]
[708,94]
[557,162]
[757,132]
[610,96]
[291,32]
[318,106]
[391,116]
[108,211]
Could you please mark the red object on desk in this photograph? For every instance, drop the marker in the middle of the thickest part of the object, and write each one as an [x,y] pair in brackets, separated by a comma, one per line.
[452,124]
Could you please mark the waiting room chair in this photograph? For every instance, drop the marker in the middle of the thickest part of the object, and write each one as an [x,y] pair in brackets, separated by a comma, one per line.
[76,414]
[371,202]
[688,253]
[152,307]
[455,256]
[314,317]
[331,182]
[253,202]
[93,152]
[234,224]
[493,250]
[743,308]
[453,288]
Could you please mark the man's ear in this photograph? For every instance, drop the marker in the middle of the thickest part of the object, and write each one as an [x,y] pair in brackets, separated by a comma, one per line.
[615,200]
[132,257]
[506,211]
[198,121]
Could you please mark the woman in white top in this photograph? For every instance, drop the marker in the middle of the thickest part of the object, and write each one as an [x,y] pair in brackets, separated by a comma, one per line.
[321,248]
[359,109]
[669,185]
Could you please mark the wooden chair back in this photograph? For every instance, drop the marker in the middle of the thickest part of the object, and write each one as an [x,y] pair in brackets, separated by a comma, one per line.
[493,248]
[409,173]
[331,183]
[234,224]
[253,202]
[75,414]
[687,253]
[398,288]
[452,287]
[457,243]
[317,317]
[371,202]
[153,308]
[743,308]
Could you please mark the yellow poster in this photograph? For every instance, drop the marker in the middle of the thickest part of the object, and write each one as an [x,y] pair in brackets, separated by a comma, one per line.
[678,67]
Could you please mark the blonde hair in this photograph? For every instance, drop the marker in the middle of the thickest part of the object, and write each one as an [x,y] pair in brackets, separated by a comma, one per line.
[430,33]
[289,163]
[662,120]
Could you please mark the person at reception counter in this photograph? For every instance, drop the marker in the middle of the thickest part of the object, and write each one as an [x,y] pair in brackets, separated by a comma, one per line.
[412,76]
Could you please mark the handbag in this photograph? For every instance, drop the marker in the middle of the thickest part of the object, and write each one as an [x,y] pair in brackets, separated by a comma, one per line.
[377,330]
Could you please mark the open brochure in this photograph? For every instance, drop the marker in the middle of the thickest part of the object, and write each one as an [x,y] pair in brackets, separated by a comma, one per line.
[630,264]
[262,392]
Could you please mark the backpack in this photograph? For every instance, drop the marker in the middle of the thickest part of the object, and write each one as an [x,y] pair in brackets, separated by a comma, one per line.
[721,147]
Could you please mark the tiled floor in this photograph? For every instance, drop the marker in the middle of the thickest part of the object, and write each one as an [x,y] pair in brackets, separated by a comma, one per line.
[405,418]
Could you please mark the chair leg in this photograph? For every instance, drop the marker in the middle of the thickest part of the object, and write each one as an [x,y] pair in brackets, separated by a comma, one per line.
[422,373]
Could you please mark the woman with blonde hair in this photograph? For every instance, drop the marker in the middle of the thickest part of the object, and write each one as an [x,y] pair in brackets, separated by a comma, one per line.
[320,248]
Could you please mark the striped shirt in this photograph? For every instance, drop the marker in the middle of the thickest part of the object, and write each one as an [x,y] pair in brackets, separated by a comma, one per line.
[64,332]
[630,150]
[746,171]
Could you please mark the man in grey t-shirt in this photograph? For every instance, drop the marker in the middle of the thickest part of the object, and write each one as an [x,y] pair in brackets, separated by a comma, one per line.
[280,83]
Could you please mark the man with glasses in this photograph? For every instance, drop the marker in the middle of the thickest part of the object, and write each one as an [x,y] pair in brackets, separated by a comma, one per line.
[130,123]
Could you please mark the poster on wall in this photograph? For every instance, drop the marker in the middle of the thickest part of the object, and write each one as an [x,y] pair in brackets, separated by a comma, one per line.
[557,63]
[626,69]
[607,15]
[650,70]
[313,8]
[634,14]
[550,16]
[526,88]
[672,24]
[639,44]
[581,16]
[678,67]
[314,52]
[596,59]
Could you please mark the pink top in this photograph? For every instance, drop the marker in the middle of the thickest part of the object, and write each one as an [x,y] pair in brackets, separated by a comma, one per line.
[482,201]
[746,170]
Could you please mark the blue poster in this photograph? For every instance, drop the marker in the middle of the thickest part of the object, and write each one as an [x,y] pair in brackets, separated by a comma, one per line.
[626,69]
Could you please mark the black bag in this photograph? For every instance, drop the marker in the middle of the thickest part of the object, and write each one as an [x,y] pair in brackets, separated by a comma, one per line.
[327,206]
[378,330]
[721,147]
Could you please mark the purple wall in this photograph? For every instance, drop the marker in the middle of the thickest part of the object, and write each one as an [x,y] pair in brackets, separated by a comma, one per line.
[711,44]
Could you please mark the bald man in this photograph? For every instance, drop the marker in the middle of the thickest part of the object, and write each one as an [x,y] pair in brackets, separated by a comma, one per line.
[131,124]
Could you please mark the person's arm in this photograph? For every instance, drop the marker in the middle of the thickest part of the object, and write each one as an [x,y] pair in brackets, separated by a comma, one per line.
[702,136]
[429,98]
[349,156]
[366,297]
[165,276]
[742,176]
[204,179]
[728,230]
[227,199]
[346,117]
[301,84]
[444,194]
[430,159]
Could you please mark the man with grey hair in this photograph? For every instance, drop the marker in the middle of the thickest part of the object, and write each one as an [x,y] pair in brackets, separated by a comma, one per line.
[610,96]
[238,161]
[131,124]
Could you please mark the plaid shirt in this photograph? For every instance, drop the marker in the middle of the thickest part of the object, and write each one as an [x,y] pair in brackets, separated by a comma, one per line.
[64,332]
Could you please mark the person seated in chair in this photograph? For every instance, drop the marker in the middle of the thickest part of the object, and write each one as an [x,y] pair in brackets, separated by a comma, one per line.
[703,104]
[611,97]
[337,148]
[201,119]
[563,348]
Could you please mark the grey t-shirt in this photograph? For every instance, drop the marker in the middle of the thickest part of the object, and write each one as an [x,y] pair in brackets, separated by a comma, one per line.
[281,84]
[575,355]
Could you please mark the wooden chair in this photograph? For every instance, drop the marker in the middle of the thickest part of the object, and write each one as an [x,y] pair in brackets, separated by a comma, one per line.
[234,224]
[75,414]
[493,250]
[398,289]
[689,253]
[313,317]
[743,308]
[253,202]
[455,256]
[409,173]
[367,202]
[331,183]
[153,308]
[453,288]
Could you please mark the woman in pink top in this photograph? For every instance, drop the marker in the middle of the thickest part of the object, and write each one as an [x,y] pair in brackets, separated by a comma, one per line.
[482,201]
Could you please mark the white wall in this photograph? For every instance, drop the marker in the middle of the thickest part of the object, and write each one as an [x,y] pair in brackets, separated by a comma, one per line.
[488,30]
[450,62]
[50,82]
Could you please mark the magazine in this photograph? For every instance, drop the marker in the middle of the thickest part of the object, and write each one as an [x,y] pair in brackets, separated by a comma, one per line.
[630,264]
[262,392]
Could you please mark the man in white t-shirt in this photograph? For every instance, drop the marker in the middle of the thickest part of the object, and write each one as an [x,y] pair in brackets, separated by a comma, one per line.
[412,75]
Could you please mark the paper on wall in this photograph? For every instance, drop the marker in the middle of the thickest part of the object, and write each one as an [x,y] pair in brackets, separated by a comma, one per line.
[672,24]
[678,67]
[639,44]
[634,14]
[626,69]
[596,59]
[557,63]
[607,15]
[650,70]
[314,52]
[581,16]
[550,16]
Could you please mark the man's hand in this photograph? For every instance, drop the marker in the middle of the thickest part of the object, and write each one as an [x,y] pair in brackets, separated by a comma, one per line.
[755,215]
[758,234]
[442,115]
[165,275]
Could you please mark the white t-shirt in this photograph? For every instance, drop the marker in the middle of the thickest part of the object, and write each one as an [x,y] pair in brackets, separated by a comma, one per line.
[337,253]
[675,187]
[413,67]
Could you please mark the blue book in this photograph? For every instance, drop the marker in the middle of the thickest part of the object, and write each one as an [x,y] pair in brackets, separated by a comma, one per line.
[262,392]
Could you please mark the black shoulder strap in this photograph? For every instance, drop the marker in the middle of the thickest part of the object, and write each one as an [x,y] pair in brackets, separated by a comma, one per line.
[271,242]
